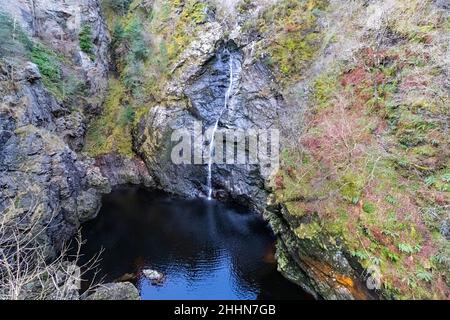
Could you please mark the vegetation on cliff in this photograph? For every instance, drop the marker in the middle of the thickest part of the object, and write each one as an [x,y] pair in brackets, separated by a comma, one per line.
[146,41]
[372,165]
[57,72]
[291,35]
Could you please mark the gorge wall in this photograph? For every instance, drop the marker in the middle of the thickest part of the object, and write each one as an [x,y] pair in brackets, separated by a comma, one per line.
[50,87]
[358,89]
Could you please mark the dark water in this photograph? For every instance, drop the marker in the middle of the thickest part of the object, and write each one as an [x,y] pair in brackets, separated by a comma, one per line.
[206,250]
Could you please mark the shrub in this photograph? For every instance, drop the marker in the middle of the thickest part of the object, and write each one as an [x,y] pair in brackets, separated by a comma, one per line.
[27,272]
[368,207]
[85,38]
[118,6]
[49,66]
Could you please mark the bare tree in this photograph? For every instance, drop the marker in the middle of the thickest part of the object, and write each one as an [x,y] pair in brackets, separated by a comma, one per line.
[25,269]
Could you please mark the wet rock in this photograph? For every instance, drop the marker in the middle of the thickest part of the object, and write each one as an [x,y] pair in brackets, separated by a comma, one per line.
[127,277]
[254,104]
[116,291]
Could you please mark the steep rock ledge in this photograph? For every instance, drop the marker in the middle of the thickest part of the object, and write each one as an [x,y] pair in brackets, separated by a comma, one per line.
[49,87]
[320,265]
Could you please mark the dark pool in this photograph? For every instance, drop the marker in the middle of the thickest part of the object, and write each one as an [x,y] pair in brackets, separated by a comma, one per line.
[206,250]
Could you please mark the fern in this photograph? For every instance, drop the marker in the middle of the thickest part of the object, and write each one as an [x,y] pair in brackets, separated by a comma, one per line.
[407,248]
[424,276]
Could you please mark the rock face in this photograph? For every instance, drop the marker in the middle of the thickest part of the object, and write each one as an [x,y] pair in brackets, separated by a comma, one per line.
[58,24]
[254,103]
[320,266]
[43,180]
[116,291]
[120,170]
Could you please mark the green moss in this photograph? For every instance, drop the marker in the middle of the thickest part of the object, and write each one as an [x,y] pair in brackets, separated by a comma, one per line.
[307,231]
[351,187]
[426,151]
[111,131]
[325,87]
[293,34]
[290,53]
[195,11]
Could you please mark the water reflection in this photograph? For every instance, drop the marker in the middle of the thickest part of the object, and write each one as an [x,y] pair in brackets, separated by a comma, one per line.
[206,249]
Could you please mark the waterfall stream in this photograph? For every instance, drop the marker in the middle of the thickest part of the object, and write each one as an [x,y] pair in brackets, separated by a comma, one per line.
[216,125]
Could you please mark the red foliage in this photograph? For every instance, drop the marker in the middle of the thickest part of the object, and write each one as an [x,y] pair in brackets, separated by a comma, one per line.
[354,77]
[290,27]
[379,236]
[413,82]
[279,183]
[382,126]
[310,143]
[380,78]
[441,199]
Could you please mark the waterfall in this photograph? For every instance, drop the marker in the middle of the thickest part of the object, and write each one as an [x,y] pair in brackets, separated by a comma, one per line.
[216,125]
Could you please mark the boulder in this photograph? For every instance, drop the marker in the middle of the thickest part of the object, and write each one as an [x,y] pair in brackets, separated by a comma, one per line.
[116,291]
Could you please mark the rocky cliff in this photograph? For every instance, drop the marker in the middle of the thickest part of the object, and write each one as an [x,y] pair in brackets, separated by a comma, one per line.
[364,156]
[50,85]
[358,89]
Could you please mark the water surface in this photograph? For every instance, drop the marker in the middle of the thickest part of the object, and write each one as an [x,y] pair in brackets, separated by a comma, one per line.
[207,250]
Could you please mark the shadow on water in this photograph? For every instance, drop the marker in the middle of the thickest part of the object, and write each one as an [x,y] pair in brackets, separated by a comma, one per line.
[206,249]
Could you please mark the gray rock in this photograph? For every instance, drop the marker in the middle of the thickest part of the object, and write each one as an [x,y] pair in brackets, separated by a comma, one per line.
[43,181]
[58,24]
[116,291]
[121,170]
[254,104]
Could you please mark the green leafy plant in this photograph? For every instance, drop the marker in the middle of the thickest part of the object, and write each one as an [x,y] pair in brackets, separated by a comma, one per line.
[408,249]
[362,255]
[424,276]
[369,207]
[85,38]
[392,256]
[49,66]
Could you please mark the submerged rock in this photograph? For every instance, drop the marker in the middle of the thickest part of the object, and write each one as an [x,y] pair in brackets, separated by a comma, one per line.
[154,276]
